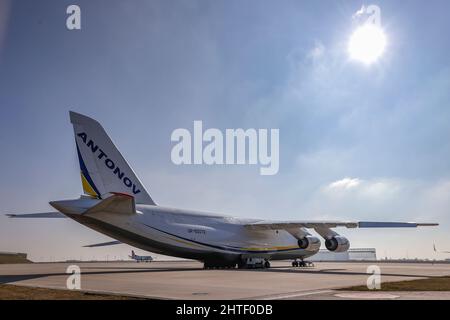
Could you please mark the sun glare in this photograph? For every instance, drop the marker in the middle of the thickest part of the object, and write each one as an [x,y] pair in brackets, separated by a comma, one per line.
[367,43]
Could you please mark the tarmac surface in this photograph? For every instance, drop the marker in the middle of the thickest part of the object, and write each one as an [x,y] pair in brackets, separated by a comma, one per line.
[188,280]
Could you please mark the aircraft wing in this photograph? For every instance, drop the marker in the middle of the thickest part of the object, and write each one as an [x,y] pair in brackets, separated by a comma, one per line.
[264,224]
[102,244]
[37,215]
[370,224]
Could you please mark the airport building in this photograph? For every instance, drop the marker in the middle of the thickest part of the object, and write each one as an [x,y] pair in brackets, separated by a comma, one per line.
[358,254]
[13,257]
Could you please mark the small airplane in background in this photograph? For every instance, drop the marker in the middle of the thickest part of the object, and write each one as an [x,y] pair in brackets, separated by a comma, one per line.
[140,258]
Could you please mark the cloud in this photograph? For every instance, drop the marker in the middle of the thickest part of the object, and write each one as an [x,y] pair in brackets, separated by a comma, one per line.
[359,198]
[383,198]
[367,190]
[346,183]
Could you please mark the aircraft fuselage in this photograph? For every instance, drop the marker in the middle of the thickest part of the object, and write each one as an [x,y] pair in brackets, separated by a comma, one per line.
[193,235]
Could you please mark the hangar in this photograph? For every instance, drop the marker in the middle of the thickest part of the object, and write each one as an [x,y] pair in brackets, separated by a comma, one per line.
[353,254]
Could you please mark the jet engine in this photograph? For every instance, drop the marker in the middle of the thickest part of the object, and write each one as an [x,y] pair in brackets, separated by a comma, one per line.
[337,244]
[309,243]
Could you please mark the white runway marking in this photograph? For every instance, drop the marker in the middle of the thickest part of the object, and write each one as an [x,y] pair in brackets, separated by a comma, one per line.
[294,295]
[366,295]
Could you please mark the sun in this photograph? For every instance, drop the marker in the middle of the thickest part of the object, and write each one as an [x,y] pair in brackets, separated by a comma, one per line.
[367,43]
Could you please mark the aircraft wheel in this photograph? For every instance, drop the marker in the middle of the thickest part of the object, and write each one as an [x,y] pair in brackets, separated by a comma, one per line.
[207,266]
[267,264]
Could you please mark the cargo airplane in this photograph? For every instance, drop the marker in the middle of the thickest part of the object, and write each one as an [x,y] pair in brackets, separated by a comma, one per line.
[116,203]
[138,258]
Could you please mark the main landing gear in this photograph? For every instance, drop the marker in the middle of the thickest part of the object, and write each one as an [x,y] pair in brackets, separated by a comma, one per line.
[254,263]
[248,263]
[219,266]
[302,264]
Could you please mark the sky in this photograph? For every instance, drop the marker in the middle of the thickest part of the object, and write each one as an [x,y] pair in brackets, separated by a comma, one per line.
[357,142]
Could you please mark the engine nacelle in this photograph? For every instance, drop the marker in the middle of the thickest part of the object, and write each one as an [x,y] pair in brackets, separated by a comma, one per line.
[309,243]
[337,244]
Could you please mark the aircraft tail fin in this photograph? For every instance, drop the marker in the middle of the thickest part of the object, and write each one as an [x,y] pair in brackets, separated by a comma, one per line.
[103,168]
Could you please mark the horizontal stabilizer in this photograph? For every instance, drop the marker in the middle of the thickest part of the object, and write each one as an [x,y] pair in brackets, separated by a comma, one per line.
[116,203]
[103,244]
[37,215]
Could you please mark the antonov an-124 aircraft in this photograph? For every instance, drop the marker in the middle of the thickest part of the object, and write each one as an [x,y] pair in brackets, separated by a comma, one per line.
[116,203]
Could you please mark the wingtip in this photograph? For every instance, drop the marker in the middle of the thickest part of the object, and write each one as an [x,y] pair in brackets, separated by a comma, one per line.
[390,224]
[432,224]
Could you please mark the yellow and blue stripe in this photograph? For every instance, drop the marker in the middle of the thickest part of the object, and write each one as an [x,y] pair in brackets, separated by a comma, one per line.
[89,187]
